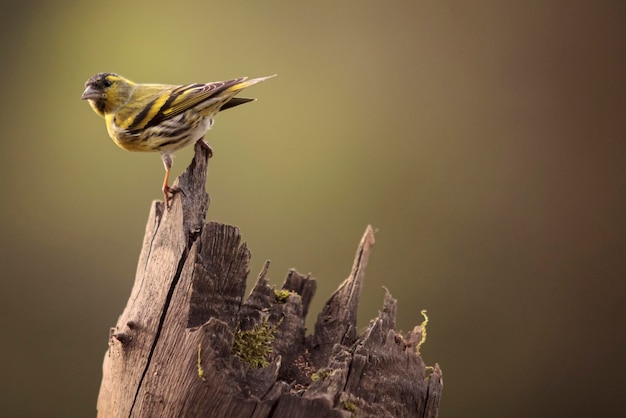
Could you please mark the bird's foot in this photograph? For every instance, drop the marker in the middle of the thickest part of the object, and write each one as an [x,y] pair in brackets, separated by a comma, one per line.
[168,194]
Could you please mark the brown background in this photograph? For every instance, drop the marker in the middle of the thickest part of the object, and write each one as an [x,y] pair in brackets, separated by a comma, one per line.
[484,140]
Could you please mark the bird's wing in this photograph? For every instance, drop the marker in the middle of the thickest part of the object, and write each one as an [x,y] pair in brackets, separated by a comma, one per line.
[168,103]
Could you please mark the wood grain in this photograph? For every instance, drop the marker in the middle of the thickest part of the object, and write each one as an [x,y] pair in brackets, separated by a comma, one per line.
[170,353]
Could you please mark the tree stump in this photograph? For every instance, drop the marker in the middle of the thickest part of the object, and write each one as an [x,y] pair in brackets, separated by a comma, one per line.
[188,343]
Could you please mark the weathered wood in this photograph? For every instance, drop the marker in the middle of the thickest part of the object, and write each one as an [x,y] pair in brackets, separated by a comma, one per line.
[172,352]
[336,324]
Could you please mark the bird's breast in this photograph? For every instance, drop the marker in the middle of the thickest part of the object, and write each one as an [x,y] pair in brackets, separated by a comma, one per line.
[168,136]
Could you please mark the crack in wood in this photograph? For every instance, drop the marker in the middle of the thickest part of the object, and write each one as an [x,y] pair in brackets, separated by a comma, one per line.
[164,312]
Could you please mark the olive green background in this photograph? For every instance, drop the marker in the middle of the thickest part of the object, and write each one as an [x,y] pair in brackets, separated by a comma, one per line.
[483,140]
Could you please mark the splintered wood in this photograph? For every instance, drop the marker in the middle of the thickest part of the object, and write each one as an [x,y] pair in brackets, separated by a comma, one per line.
[189,344]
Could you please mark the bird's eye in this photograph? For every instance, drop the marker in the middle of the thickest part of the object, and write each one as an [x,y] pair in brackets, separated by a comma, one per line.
[106,82]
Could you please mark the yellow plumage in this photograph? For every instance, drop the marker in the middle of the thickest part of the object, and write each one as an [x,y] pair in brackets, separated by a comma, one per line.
[161,117]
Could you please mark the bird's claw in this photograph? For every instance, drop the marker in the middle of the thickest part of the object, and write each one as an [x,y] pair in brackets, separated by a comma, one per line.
[169,192]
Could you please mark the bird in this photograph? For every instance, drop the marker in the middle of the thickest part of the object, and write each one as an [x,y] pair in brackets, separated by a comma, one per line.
[162,117]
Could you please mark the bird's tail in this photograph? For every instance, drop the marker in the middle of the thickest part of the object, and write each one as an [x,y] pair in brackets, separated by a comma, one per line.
[247,83]
[236,101]
[236,88]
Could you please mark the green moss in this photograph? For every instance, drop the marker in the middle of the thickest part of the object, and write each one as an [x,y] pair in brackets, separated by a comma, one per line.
[423,326]
[281,295]
[321,374]
[200,369]
[255,345]
[348,406]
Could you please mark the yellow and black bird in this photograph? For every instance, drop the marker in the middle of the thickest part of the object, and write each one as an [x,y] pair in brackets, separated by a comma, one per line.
[161,117]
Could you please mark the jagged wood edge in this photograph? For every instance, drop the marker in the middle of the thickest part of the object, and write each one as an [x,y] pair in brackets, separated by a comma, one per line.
[274,397]
[336,323]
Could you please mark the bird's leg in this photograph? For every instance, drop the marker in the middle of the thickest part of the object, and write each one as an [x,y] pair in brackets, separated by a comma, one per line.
[168,192]
[206,146]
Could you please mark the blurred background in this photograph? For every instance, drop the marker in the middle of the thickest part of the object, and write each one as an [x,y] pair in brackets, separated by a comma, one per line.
[483,140]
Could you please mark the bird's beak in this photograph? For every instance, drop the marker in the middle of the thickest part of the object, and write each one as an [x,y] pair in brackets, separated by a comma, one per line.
[90,93]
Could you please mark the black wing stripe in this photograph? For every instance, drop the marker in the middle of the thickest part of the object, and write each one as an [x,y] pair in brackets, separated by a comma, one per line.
[141,115]
[160,115]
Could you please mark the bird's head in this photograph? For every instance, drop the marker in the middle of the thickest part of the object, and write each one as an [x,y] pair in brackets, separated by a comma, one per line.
[106,92]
